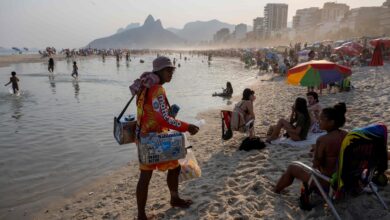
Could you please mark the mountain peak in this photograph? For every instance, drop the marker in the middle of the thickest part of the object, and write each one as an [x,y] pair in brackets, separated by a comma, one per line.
[149,20]
[158,23]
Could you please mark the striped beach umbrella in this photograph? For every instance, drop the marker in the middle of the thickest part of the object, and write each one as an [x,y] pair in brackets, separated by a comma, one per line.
[317,72]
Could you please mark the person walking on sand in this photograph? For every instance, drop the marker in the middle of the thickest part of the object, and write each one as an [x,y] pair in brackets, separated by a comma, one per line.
[51,65]
[152,116]
[14,80]
[310,57]
[75,73]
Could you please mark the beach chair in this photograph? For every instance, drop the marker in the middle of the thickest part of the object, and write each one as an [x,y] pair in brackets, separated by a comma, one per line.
[233,122]
[363,154]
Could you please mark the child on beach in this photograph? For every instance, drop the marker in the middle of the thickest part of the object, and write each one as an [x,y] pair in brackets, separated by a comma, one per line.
[14,80]
[51,65]
[326,151]
[75,72]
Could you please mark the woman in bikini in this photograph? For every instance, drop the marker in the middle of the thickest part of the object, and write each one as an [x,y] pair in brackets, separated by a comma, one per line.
[298,126]
[245,108]
[326,151]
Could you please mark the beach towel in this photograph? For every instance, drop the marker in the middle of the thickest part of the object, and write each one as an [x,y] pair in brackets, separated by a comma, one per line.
[363,151]
[146,80]
[310,140]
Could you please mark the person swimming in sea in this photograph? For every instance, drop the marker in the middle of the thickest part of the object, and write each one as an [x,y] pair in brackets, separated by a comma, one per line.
[14,80]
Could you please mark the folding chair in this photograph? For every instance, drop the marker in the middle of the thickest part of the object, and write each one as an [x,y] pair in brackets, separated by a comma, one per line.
[227,129]
[227,132]
[363,154]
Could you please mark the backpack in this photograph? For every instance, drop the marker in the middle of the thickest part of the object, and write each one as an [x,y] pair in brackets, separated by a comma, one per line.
[252,144]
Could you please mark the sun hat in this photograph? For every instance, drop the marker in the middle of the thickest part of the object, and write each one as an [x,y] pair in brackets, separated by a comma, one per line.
[161,62]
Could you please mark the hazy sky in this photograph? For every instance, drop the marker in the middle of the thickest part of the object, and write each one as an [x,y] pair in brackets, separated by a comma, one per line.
[74,23]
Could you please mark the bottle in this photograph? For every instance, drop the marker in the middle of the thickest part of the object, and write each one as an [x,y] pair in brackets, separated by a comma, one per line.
[174,110]
[200,123]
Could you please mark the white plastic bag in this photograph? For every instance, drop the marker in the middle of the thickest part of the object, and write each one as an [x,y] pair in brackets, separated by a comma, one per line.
[189,167]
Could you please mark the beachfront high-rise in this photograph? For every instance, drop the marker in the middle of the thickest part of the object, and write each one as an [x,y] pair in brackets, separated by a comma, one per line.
[275,17]
[222,35]
[333,11]
[258,28]
[363,21]
[385,18]
[240,31]
[306,18]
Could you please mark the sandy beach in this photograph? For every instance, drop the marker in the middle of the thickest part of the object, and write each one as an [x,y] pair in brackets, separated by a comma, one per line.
[6,60]
[235,184]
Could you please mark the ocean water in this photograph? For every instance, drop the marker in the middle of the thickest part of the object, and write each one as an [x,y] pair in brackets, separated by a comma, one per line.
[57,135]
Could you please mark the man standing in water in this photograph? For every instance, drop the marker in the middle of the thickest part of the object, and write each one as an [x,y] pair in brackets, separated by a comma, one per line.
[152,116]
[14,80]
[75,72]
[51,65]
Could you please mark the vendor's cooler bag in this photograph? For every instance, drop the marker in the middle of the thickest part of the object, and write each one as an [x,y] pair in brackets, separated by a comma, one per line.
[161,147]
[124,127]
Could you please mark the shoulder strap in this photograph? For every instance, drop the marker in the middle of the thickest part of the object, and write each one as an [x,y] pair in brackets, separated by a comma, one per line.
[123,111]
[142,115]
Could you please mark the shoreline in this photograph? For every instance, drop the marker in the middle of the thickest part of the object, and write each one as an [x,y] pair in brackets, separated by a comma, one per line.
[233,183]
[7,60]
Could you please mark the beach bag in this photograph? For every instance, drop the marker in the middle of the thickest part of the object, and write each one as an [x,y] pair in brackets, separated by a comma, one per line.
[124,127]
[252,144]
[189,167]
[161,147]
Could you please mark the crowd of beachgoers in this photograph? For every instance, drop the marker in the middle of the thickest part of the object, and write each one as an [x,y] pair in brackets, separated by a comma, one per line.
[354,52]
[245,185]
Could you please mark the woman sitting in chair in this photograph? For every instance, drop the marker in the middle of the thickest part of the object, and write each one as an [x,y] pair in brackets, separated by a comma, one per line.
[298,126]
[326,152]
[244,109]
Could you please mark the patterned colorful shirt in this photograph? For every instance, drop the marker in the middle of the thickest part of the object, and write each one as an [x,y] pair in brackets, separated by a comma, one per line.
[153,112]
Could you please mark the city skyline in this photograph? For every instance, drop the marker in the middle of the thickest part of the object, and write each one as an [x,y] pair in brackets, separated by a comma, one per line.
[74,23]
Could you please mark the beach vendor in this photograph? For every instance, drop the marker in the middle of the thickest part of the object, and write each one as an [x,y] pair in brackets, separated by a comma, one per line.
[326,151]
[153,116]
[299,125]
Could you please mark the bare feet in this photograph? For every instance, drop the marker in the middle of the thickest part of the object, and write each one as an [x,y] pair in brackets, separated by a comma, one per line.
[144,217]
[181,203]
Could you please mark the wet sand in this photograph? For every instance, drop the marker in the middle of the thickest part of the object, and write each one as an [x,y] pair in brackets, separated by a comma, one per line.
[6,60]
